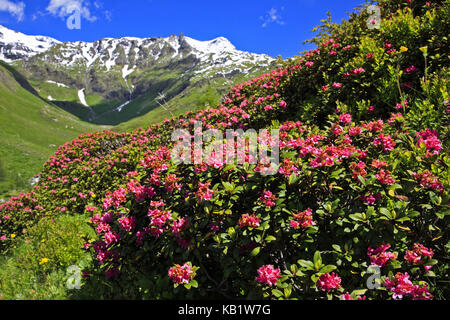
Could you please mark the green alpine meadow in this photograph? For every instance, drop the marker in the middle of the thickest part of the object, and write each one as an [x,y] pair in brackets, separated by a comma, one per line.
[170,168]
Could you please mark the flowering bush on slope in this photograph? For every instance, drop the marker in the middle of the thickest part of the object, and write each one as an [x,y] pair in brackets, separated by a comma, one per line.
[362,181]
[328,215]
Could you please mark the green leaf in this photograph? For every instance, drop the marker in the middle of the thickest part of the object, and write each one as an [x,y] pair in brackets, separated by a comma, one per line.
[327,269]
[359,292]
[294,269]
[229,187]
[386,213]
[231,231]
[437,200]
[357,217]
[432,262]
[277,293]
[287,292]
[362,180]
[255,252]
[317,260]
[306,264]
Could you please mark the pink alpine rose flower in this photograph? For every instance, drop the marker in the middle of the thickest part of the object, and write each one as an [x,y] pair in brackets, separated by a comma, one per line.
[268,198]
[268,275]
[250,221]
[345,118]
[127,223]
[302,220]
[380,256]
[181,274]
[328,282]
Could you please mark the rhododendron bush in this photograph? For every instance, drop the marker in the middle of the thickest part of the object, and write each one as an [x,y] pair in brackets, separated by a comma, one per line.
[357,208]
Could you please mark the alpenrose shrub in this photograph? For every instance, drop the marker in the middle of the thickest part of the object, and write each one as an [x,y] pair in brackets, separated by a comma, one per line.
[344,198]
[362,182]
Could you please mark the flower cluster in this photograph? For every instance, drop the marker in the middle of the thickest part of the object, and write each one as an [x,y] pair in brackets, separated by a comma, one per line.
[204,192]
[268,198]
[402,287]
[429,138]
[428,180]
[302,219]
[182,274]
[249,221]
[328,282]
[268,275]
[418,254]
[380,256]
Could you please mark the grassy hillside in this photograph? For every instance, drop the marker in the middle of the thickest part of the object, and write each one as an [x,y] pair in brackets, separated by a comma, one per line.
[203,94]
[181,94]
[31,129]
[38,116]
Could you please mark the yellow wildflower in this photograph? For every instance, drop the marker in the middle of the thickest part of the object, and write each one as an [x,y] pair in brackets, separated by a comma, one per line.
[424,49]
[403,49]
[13,236]
[43,261]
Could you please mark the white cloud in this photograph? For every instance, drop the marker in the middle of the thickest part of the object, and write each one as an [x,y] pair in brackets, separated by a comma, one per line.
[272,16]
[64,8]
[108,15]
[98,4]
[16,9]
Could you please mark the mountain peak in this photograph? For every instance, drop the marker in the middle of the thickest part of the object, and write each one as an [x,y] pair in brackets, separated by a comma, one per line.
[15,45]
[217,45]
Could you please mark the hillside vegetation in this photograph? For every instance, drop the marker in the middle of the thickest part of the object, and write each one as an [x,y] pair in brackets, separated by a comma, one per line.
[356,209]
[30,131]
[123,79]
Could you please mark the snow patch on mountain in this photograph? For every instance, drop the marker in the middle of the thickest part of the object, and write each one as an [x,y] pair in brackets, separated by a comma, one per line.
[82,97]
[15,45]
[119,108]
[215,46]
[126,72]
[57,83]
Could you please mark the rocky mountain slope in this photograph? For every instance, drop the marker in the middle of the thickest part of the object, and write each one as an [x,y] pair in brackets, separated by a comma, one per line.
[111,81]
[15,45]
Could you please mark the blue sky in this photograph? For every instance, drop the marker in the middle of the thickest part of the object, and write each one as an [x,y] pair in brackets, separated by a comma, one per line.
[274,27]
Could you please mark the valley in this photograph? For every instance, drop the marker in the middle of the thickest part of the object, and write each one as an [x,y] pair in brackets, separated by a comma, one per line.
[65,89]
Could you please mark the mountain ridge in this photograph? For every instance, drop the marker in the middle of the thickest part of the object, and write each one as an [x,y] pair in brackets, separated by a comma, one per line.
[113,72]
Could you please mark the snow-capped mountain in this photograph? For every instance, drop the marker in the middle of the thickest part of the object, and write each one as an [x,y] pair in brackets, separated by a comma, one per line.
[110,52]
[15,45]
[123,69]
[144,52]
